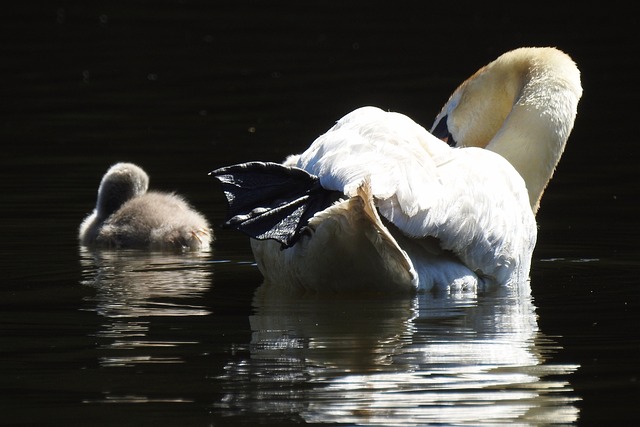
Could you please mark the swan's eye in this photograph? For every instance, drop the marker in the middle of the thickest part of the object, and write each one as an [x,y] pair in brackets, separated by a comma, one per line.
[440,130]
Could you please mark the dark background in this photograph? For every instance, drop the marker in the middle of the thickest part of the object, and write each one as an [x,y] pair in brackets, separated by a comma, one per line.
[193,85]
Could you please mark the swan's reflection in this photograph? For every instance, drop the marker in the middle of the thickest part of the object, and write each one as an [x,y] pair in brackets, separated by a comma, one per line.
[134,287]
[454,359]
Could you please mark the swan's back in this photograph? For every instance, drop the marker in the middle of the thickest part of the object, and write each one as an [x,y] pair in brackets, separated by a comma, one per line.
[471,200]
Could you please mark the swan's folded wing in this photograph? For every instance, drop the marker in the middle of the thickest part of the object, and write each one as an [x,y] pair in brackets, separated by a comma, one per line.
[398,157]
[472,200]
[481,214]
[271,201]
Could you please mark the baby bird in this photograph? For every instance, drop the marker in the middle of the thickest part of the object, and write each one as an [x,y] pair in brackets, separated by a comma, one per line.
[129,216]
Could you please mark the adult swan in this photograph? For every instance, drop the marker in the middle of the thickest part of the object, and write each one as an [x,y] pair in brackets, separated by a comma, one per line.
[378,203]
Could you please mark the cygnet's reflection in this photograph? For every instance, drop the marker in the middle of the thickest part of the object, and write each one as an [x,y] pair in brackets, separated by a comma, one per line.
[461,359]
[135,287]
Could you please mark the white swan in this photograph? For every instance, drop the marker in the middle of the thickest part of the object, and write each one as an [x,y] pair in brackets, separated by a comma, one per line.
[412,212]
[129,216]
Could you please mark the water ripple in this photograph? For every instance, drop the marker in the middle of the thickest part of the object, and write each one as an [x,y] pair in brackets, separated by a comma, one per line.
[461,360]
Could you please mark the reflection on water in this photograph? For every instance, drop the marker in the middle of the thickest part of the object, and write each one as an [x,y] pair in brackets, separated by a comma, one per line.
[455,359]
[461,359]
[133,287]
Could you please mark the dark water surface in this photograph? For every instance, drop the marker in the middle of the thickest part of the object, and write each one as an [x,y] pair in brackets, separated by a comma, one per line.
[183,87]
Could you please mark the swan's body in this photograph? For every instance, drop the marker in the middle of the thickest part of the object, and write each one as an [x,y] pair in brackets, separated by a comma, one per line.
[416,213]
[129,216]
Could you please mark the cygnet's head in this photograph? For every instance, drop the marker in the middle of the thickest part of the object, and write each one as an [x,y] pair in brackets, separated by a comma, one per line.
[122,182]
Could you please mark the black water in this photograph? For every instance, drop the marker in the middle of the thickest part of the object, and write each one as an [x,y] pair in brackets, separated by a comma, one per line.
[183,87]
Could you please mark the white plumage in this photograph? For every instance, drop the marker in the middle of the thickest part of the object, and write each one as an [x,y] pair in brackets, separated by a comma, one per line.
[417,213]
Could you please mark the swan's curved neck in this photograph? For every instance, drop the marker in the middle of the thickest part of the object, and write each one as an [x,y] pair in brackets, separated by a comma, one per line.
[521,106]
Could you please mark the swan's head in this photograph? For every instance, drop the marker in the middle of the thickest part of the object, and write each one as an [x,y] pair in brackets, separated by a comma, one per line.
[478,107]
[122,182]
[521,106]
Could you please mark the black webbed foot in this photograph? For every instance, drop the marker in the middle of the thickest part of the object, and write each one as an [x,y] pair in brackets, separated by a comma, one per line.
[272,201]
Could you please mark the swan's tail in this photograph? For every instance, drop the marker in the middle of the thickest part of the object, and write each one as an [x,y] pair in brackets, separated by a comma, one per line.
[271,201]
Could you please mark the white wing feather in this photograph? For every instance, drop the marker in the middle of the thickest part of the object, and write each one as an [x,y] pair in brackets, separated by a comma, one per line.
[472,200]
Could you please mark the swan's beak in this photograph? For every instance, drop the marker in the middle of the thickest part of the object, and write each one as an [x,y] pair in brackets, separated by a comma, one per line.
[441,130]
